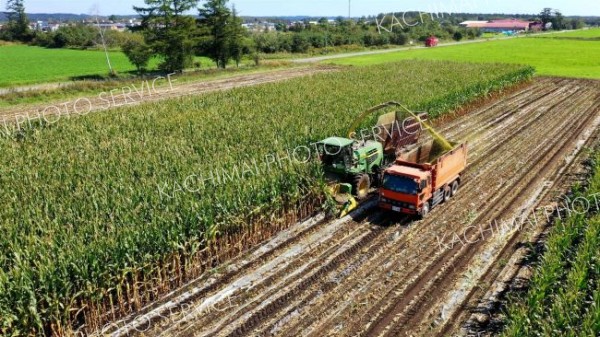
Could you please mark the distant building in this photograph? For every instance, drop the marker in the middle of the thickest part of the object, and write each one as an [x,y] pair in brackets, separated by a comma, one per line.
[260,27]
[121,27]
[496,26]
[296,24]
[52,27]
[39,25]
[536,26]
[472,24]
[44,26]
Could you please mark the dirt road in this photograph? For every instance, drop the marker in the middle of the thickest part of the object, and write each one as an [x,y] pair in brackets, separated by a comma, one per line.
[382,275]
[149,91]
[408,48]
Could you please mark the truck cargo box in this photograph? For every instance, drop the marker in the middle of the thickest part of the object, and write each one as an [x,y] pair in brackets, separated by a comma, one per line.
[423,176]
[430,156]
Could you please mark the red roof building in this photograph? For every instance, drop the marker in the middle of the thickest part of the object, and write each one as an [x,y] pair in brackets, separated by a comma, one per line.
[499,25]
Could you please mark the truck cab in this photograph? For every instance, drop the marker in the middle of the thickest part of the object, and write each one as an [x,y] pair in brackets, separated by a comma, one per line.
[431,41]
[405,189]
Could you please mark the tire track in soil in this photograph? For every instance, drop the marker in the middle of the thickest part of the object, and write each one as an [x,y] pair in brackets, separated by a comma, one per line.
[571,173]
[350,230]
[414,300]
[477,300]
[270,287]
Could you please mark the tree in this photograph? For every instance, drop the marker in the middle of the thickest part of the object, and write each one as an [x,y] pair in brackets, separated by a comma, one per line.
[79,36]
[116,39]
[457,36]
[169,31]
[235,37]
[300,43]
[577,24]
[18,23]
[546,16]
[215,21]
[138,52]
[558,21]
[280,27]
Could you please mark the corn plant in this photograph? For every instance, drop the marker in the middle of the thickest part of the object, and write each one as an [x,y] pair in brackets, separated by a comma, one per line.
[96,223]
[562,299]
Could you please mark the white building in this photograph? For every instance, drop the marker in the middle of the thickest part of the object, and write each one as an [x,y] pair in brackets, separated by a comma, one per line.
[260,27]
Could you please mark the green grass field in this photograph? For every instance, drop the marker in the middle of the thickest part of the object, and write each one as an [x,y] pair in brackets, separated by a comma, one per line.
[555,57]
[21,65]
[586,33]
[27,65]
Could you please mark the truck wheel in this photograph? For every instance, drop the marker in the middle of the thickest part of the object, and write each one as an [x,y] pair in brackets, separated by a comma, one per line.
[455,186]
[424,210]
[447,193]
[362,184]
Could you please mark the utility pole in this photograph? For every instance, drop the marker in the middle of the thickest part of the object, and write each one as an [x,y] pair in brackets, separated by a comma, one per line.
[105,49]
[349,9]
[326,39]
[97,11]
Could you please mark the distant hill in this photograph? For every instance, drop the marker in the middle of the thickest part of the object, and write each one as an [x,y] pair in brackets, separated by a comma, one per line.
[63,17]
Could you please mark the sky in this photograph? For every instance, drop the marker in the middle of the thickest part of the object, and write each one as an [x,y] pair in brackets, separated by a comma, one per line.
[332,8]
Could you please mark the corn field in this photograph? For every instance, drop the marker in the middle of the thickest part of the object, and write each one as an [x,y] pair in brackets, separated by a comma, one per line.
[95,222]
[564,294]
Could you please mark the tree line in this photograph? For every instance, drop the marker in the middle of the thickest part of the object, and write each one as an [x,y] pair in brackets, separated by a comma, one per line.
[177,30]
[302,37]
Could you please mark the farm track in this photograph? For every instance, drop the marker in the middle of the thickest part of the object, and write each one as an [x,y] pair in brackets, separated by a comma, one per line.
[147,95]
[383,275]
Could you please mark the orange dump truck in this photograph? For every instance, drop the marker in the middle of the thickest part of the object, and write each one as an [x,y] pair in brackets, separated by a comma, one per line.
[422,177]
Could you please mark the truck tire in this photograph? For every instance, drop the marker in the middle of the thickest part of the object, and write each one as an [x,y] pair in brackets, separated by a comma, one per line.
[424,211]
[455,186]
[362,185]
[447,193]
